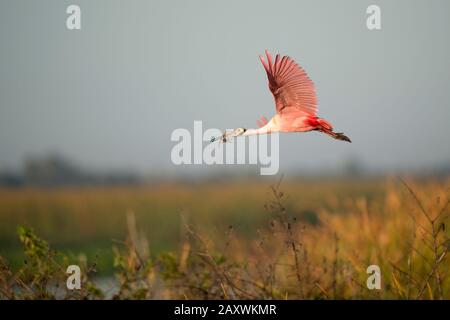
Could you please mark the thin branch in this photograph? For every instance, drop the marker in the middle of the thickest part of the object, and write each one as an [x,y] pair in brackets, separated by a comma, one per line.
[417,200]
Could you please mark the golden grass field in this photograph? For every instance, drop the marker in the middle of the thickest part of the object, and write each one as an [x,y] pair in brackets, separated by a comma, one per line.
[302,239]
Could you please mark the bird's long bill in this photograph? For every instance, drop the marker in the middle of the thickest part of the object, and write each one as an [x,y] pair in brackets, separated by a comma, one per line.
[226,135]
[213,139]
[222,138]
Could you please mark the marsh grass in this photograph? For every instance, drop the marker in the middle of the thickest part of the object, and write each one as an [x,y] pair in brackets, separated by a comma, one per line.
[404,232]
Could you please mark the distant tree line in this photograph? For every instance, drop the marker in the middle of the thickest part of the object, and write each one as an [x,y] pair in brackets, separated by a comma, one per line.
[55,170]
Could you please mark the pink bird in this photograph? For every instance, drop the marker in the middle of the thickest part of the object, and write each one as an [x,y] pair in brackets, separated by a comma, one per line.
[295,102]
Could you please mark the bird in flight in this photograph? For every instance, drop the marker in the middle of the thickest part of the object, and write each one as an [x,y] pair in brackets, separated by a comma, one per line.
[295,102]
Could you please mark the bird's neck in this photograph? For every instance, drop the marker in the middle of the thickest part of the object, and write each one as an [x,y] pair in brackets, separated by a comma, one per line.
[263,130]
[270,127]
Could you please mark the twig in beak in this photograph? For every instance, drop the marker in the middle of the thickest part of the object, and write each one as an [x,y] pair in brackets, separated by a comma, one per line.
[222,138]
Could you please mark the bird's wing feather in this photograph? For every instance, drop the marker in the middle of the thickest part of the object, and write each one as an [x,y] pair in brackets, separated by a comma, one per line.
[290,85]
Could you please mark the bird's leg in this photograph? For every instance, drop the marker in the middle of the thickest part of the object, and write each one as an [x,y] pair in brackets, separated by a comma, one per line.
[341,136]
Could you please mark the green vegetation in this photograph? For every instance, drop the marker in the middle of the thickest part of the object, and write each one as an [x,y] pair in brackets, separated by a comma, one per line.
[88,220]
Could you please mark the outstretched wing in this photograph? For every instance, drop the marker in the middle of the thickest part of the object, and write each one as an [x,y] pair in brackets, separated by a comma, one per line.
[290,85]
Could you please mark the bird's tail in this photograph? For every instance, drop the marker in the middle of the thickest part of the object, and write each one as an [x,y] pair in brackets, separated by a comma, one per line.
[326,127]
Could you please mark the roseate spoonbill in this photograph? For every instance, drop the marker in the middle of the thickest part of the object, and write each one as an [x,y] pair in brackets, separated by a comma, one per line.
[295,102]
